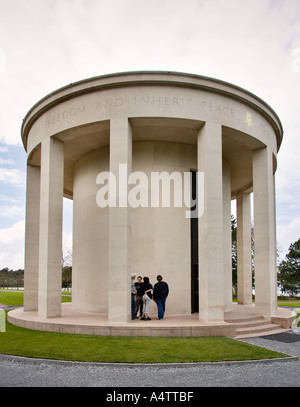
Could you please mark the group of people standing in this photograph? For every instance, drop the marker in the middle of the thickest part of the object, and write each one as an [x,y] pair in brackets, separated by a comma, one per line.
[142,294]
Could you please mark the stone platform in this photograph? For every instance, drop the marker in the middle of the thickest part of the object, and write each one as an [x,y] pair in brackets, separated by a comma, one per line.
[75,322]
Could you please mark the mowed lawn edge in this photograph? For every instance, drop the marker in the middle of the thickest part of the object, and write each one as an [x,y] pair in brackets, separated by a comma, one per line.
[29,343]
[17,341]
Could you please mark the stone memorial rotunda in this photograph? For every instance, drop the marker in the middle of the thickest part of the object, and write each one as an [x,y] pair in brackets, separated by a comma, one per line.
[152,161]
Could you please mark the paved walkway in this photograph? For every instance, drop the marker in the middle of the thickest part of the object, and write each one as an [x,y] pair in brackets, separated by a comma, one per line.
[15,373]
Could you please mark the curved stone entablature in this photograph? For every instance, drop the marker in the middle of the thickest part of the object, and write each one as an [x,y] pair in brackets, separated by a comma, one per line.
[82,110]
[145,123]
[193,96]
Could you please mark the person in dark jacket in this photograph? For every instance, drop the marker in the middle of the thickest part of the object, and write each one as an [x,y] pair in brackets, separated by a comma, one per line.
[160,294]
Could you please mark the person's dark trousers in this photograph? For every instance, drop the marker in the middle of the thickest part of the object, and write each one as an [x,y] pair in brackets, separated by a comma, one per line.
[139,305]
[161,305]
[132,305]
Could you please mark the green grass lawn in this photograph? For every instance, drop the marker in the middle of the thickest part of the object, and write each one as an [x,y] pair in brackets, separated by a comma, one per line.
[86,348]
[14,298]
[289,303]
[11,298]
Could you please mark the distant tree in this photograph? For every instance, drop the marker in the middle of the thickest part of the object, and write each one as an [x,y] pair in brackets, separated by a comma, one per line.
[289,270]
[66,265]
[11,278]
[66,277]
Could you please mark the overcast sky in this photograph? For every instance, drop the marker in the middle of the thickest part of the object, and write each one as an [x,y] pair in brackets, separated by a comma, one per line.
[46,44]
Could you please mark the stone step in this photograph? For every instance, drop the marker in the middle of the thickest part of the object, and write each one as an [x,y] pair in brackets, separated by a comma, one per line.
[252,323]
[265,333]
[257,329]
[249,319]
[255,326]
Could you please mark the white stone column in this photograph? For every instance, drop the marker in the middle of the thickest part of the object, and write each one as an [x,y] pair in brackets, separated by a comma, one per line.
[264,233]
[51,210]
[227,241]
[244,269]
[119,296]
[211,260]
[32,229]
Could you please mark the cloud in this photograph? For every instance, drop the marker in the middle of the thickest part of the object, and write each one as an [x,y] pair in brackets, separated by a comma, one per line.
[12,234]
[2,60]
[48,44]
[11,211]
[4,198]
[12,246]
[247,43]
[287,234]
[6,161]
[13,177]
[4,149]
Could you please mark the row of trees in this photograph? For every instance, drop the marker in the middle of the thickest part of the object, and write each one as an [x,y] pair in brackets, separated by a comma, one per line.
[289,270]
[11,278]
[15,278]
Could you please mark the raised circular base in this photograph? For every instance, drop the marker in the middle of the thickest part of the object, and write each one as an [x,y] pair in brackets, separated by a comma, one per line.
[75,322]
